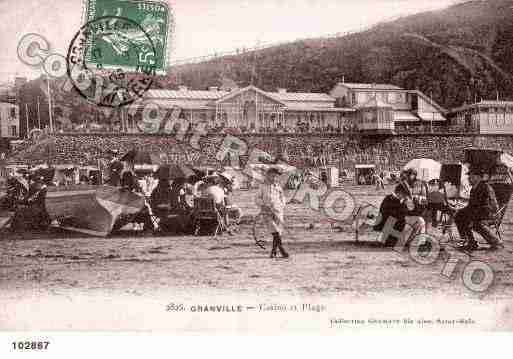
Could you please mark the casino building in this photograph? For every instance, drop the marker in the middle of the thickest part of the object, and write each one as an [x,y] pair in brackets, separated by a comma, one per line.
[367,108]
[484,117]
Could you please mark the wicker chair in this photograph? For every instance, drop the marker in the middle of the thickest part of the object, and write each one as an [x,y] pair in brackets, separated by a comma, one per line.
[207,215]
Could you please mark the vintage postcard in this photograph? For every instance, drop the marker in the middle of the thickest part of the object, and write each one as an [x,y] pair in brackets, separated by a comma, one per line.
[278,166]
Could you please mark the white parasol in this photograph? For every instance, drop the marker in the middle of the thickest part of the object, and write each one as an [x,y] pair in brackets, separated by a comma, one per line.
[427,169]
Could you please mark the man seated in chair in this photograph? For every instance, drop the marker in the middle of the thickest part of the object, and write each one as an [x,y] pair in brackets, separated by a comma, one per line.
[395,206]
[482,206]
[142,219]
[233,212]
[214,192]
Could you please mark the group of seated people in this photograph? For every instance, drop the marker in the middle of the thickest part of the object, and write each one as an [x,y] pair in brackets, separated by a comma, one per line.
[25,197]
[411,203]
[170,204]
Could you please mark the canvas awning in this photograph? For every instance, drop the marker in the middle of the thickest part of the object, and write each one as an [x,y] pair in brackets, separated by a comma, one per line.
[405,116]
[431,116]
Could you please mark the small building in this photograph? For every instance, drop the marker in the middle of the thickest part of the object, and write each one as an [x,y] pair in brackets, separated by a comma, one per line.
[384,108]
[484,117]
[9,120]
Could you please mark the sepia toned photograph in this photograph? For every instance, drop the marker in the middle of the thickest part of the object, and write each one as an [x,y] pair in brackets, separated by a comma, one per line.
[274,166]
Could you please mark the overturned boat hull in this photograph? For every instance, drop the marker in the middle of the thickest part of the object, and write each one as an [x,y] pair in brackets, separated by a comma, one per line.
[91,210]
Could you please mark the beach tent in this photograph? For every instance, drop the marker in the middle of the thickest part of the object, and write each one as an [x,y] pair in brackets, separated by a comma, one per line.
[364,170]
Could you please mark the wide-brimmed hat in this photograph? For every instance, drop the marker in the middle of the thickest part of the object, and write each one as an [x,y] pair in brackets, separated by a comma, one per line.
[226,176]
[410,171]
[402,188]
[477,171]
[274,170]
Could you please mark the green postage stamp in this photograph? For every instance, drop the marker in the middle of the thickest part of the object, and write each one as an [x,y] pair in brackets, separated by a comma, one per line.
[141,25]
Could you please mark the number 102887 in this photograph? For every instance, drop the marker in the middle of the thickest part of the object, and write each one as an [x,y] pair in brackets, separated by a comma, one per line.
[29,345]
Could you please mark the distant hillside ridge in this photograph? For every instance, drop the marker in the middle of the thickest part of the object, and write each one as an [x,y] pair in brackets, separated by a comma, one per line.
[459,54]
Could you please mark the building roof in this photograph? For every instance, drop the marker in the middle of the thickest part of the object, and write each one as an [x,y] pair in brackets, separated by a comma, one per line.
[306,108]
[362,86]
[186,94]
[485,103]
[301,96]
[182,104]
[219,95]
[247,88]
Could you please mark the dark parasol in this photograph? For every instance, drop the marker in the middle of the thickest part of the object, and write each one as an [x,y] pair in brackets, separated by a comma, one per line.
[141,158]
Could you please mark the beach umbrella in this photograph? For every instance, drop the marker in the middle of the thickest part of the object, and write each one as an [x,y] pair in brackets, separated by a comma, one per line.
[199,172]
[427,169]
[174,171]
[198,175]
[141,158]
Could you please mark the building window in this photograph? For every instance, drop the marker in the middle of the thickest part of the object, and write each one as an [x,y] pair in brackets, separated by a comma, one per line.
[353,99]
[14,132]
[13,112]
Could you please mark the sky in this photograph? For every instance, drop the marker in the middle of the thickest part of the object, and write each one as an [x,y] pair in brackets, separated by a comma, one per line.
[203,27]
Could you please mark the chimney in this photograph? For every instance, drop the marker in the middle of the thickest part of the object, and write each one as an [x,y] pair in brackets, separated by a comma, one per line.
[182,88]
[213,88]
[282,90]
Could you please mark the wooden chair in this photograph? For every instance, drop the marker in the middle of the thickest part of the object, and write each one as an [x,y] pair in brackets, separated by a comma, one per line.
[207,213]
[503,192]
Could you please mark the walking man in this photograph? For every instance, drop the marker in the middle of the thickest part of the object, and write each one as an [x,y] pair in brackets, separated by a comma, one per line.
[271,200]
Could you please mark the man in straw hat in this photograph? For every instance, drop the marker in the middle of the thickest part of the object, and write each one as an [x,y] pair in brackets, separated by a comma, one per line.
[271,200]
[482,205]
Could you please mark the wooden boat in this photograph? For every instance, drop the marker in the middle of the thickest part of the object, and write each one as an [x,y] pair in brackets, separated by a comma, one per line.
[91,210]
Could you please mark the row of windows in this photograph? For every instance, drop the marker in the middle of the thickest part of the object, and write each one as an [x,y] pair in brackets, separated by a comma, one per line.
[498,110]
[12,131]
[389,97]
[498,121]
[12,113]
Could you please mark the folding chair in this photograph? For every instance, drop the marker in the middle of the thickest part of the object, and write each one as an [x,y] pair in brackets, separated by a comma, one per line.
[503,192]
[360,216]
[206,212]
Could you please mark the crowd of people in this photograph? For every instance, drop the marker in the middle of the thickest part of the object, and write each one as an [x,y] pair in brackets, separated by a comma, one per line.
[418,204]
[171,194]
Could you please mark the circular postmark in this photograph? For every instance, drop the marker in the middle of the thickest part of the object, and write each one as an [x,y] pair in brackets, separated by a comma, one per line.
[111,61]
